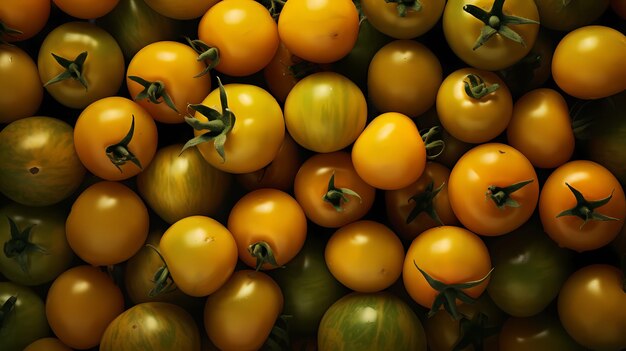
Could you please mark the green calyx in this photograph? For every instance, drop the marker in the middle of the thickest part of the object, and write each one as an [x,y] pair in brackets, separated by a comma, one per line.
[210,55]
[432,143]
[449,293]
[6,308]
[263,254]
[476,88]
[473,332]
[73,70]
[154,92]
[119,153]
[19,247]
[273,6]
[336,196]
[6,31]
[585,209]
[496,22]
[279,339]
[405,5]
[424,203]
[162,279]
[501,196]
[218,125]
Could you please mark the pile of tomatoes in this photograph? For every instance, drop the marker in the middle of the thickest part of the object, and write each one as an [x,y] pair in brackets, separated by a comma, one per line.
[312,174]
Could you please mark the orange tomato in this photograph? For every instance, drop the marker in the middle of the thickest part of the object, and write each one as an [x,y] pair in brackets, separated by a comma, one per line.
[21,96]
[26,16]
[86,9]
[47,344]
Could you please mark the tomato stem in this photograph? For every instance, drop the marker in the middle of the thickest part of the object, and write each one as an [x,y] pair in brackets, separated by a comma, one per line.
[473,332]
[6,308]
[406,5]
[585,209]
[6,31]
[501,196]
[433,144]
[205,52]
[19,246]
[263,253]
[73,70]
[119,153]
[476,88]
[334,195]
[162,279]
[424,202]
[153,92]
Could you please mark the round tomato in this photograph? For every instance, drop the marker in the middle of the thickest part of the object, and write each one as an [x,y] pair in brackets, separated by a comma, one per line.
[588,62]
[283,72]
[35,248]
[541,128]
[365,256]
[22,94]
[115,138]
[403,19]
[231,124]
[568,15]
[242,35]
[321,31]
[47,344]
[269,227]
[389,154]
[493,189]
[23,317]
[156,326]
[241,314]
[591,307]
[474,106]
[200,254]
[177,185]
[80,63]
[330,191]
[455,258]
[490,34]
[23,19]
[80,304]
[325,112]
[189,9]
[421,205]
[582,206]
[39,163]
[108,224]
[86,9]
[541,332]
[403,77]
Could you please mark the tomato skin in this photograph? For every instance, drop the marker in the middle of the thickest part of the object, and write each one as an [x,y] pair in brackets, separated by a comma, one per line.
[47,344]
[594,182]
[473,120]
[389,154]
[182,11]
[541,332]
[449,254]
[325,112]
[541,128]
[591,307]
[157,326]
[403,77]
[492,164]
[80,304]
[23,95]
[200,254]
[27,16]
[271,216]
[245,34]
[588,62]
[461,30]
[27,320]
[384,17]
[278,73]
[106,122]
[320,31]
[311,185]
[103,69]
[241,314]
[554,14]
[90,10]
[177,185]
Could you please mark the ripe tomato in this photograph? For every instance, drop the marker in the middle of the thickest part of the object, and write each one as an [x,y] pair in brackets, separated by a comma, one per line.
[321,31]
[540,332]
[86,9]
[115,138]
[244,34]
[421,205]
[170,68]
[47,344]
[588,62]
[23,317]
[401,21]
[591,307]
[39,162]
[97,75]
[254,118]
[80,304]
[269,227]
[200,254]
[27,16]
[493,189]
[389,154]
[330,191]
[569,15]
[325,112]
[582,206]
[485,42]
[470,109]
[403,77]
[241,314]
[365,256]
[541,128]
[189,9]
[22,93]
[450,255]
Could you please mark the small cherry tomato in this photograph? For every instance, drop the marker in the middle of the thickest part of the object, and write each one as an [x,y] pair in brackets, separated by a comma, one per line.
[21,94]
[26,16]
[403,19]
[86,9]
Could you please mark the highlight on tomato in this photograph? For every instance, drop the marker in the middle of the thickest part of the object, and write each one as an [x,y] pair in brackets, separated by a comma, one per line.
[21,94]
[403,19]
